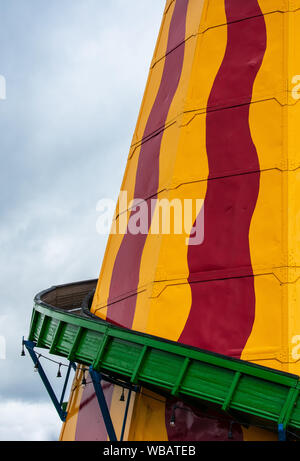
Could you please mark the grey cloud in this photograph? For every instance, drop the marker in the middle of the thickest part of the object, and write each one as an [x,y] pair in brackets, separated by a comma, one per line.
[76,72]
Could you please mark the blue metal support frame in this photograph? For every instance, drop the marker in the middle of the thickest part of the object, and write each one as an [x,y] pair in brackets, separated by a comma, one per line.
[125,415]
[58,404]
[66,383]
[281,433]
[96,379]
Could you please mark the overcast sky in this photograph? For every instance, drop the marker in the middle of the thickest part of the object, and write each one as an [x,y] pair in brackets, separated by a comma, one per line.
[75,72]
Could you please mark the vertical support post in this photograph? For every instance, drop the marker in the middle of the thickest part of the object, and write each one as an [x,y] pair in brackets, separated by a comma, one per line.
[65,383]
[125,415]
[281,433]
[30,348]
[96,379]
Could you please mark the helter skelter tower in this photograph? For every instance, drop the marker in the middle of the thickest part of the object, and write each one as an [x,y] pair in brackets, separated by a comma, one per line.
[219,121]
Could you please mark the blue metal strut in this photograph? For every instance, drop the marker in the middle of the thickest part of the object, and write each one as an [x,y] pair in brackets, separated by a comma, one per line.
[96,379]
[58,404]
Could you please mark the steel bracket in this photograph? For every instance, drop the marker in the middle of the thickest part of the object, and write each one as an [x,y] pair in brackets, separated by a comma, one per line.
[58,404]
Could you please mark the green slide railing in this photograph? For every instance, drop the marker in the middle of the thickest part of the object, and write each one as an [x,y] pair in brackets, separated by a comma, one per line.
[255,395]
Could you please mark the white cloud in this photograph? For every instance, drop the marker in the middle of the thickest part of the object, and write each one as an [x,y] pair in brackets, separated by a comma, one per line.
[56,251]
[21,421]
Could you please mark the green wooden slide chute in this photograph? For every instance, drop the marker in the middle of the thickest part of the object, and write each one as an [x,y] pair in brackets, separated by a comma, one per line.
[252,394]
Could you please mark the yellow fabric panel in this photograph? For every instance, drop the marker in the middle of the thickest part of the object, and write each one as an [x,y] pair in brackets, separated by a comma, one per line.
[292,128]
[194,17]
[267,238]
[148,420]
[211,42]
[171,305]
[294,323]
[293,179]
[271,78]
[275,334]
[292,112]
[265,344]
[268,134]
[68,430]
[271,81]
[274,233]
[117,411]
[294,4]
[172,263]
[214,11]
[253,434]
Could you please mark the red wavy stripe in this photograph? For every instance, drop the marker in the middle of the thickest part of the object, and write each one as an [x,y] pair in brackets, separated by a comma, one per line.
[222,311]
[125,275]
